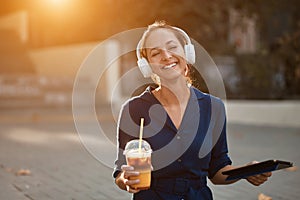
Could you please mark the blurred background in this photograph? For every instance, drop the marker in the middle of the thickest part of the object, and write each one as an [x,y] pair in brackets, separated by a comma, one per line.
[43,43]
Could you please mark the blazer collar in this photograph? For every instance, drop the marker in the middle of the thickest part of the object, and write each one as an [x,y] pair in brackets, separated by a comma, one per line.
[199,94]
[148,96]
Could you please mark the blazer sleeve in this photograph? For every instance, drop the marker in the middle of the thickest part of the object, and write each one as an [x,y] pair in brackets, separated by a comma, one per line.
[125,129]
[219,154]
[122,139]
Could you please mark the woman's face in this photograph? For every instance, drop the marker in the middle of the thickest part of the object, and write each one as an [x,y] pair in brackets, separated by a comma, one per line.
[165,54]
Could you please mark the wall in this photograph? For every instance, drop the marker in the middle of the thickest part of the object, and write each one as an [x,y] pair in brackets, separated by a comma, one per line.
[271,113]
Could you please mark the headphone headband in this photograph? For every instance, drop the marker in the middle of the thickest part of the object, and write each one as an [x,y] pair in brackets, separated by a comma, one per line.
[183,33]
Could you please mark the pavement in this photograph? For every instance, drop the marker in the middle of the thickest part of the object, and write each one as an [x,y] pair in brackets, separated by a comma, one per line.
[42,157]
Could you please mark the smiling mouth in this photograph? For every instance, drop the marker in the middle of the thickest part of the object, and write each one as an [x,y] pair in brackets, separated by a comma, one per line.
[169,66]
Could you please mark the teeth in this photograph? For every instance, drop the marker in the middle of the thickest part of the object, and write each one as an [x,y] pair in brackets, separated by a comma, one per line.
[169,66]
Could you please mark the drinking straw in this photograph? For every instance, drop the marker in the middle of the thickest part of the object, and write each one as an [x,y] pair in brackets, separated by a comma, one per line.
[141,134]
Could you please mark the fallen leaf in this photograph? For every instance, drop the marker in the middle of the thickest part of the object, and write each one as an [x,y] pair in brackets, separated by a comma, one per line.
[23,172]
[262,196]
[292,169]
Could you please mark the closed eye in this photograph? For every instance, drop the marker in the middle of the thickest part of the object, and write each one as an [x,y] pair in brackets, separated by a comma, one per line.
[153,54]
[172,47]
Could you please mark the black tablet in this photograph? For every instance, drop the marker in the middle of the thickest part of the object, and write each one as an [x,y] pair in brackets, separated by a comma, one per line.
[257,168]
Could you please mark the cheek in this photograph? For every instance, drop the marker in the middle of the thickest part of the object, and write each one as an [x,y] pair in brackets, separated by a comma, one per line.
[153,60]
[182,57]
[156,69]
[154,64]
[179,53]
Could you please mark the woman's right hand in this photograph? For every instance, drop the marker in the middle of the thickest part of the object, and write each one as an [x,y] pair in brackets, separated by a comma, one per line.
[123,179]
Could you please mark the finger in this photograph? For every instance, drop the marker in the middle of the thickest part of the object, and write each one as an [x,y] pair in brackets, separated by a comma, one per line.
[267,174]
[252,180]
[131,190]
[128,174]
[261,177]
[129,184]
[127,171]
[255,180]
[259,181]
[127,168]
[132,182]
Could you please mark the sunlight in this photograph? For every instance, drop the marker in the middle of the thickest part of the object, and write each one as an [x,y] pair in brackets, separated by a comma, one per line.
[57,5]
[57,2]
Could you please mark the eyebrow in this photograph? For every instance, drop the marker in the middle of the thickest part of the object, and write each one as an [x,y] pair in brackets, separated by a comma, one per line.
[154,48]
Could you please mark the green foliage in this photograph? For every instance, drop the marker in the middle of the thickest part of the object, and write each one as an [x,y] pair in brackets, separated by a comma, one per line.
[260,77]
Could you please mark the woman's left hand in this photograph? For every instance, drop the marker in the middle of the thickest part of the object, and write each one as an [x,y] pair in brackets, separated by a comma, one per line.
[260,178]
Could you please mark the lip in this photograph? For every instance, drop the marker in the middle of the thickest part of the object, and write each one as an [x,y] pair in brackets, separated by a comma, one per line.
[169,66]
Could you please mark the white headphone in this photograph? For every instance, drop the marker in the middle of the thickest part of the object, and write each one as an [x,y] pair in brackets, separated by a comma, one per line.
[189,52]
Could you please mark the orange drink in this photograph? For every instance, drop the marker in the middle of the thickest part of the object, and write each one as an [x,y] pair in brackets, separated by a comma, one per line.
[140,159]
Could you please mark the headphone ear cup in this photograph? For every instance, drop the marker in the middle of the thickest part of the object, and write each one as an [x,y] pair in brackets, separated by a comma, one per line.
[144,67]
[189,50]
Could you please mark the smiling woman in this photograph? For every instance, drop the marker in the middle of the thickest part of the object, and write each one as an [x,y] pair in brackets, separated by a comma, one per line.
[187,149]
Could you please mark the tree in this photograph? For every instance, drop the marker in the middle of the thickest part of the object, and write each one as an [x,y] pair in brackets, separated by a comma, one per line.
[279,25]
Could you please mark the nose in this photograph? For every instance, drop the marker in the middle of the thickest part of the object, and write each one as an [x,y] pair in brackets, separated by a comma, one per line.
[165,54]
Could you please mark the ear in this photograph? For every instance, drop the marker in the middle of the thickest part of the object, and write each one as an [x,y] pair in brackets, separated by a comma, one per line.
[186,70]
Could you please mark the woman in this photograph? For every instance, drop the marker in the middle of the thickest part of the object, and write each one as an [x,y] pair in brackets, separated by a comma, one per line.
[198,147]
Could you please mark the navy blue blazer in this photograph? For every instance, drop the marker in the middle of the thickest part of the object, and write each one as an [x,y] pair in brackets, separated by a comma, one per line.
[194,151]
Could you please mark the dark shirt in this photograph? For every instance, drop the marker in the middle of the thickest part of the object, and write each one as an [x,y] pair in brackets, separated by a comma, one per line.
[197,149]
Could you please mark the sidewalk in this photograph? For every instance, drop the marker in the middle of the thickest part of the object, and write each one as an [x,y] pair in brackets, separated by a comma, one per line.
[61,168]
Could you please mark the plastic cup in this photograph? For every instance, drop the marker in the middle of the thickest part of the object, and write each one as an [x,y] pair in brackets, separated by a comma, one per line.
[140,159]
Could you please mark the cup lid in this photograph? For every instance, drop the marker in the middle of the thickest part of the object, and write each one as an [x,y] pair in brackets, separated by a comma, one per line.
[133,145]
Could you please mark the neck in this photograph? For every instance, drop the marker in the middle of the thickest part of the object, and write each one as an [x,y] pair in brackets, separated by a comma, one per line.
[175,93]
